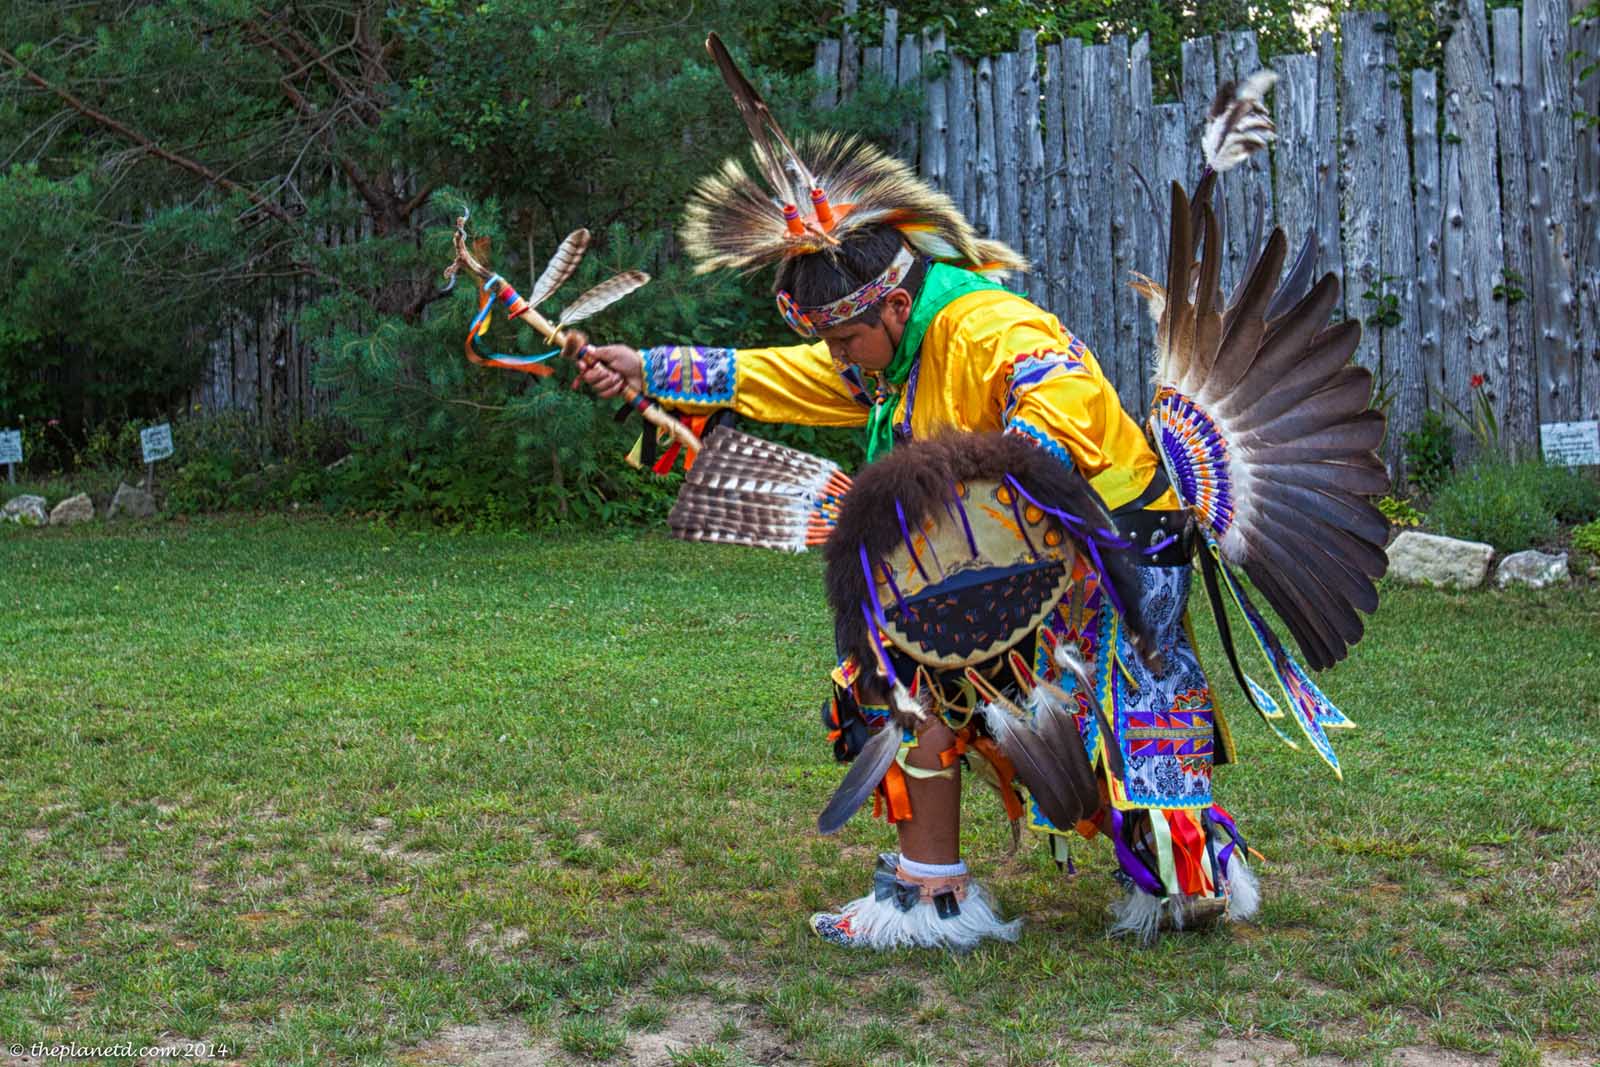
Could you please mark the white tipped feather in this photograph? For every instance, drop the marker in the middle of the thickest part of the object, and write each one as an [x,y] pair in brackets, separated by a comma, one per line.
[1154,293]
[1244,892]
[1238,123]
[602,296]
[560,267]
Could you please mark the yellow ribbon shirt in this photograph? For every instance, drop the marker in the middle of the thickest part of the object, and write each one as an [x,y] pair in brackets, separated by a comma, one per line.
[990,360]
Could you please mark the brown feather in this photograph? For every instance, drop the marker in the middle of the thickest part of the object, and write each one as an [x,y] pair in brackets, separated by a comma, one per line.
[1243,326]
[560,267]
[602,296]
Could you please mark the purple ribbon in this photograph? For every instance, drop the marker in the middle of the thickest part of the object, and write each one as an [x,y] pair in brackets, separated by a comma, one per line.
[965,525]
[905,534]
[1235,839]
[1131,865]
[1090,538]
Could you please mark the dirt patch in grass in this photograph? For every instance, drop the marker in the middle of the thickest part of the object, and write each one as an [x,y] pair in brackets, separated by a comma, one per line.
[375,841]
[686,1024]
[498,1043]
[1576,872]
[1261,1052]
[495,943]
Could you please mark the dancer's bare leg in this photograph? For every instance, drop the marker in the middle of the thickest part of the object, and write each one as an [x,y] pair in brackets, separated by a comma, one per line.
[933,833]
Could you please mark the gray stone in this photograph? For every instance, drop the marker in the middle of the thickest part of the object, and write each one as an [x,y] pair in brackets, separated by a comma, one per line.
[1428,559]
[27,510]
[131,503]
[1532,568]
[74,509]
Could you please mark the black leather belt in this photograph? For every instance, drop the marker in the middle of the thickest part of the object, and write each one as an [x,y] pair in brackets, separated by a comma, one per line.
[1146,529]
[1173,530]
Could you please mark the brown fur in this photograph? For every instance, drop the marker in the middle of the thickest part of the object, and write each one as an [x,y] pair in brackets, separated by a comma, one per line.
[920,475]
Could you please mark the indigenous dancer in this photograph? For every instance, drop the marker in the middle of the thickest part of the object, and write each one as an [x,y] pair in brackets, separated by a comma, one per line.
[1010,573]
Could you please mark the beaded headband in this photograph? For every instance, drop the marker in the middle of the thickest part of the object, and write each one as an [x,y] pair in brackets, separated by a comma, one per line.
[808,321]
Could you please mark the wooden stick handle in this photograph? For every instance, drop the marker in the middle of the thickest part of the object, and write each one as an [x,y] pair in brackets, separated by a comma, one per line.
[648,409]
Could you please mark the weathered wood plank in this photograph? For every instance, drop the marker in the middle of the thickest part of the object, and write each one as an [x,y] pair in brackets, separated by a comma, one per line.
[1098,326]
[1119,355]
[1294,111]
[1248,187]
[1199,86]
[909,58]
[1472,327]
[1519,417]
[1071,238]
[1052,268]
[1428,212]
[891,44]
[987,178]
[1008,148]
[1169,133]
[872,62]
[1362,166]
[849,53]
[1586,39]
[1548,133]
[1330,257]
[1147,242]
[826,69]
[935,122]
[1472,246]
[960,124]
[1031,194]
[1404,382]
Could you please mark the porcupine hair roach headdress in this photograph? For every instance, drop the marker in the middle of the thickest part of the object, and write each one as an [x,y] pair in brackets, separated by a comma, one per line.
[816,194]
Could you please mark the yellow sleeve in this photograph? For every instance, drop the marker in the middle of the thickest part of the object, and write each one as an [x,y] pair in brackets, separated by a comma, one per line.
[794,384]
[1056,394]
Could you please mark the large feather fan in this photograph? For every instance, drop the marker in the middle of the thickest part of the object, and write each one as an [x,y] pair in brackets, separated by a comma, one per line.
[736,221]
[1268,432]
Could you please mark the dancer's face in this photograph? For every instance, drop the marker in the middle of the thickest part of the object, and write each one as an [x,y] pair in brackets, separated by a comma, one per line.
[871,347]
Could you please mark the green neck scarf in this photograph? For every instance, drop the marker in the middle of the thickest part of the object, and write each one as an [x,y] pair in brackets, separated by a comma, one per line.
[941,285]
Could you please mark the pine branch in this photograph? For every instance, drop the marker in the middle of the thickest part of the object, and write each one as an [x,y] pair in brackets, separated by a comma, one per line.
[192,166]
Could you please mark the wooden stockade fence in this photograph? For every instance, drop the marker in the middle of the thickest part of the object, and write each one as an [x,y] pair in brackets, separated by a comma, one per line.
[1469,210]
[1463,222]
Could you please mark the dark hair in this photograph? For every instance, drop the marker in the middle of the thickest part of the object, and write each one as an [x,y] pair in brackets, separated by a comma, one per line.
[823,277]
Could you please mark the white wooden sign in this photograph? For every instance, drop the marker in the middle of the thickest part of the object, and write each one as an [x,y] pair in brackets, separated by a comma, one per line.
[157,442]
[1571,444]
[10,446]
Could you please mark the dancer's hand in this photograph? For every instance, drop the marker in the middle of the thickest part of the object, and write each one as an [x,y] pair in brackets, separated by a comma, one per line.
[614,366]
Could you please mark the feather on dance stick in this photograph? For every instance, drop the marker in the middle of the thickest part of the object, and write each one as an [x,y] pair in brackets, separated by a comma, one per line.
[602,296]
[524,311]
[560,267]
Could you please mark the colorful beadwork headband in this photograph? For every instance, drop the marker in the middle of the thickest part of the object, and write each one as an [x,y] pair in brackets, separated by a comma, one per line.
[808,321]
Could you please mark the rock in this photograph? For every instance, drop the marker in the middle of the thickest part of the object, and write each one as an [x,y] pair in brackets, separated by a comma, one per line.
[1531,568]
[1428,559]
[27,510]
[132,503]
[74,509]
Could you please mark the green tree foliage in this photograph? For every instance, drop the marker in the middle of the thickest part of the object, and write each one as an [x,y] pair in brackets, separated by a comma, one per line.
[167,165]
[169,161]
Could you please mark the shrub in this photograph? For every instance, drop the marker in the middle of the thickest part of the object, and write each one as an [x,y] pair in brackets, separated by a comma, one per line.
[1503,504]
[1586,538]
[1430,452]
[1400,512]
[1571,495]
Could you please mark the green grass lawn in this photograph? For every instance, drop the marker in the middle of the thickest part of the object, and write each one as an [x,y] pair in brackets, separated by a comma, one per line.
[326,793]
